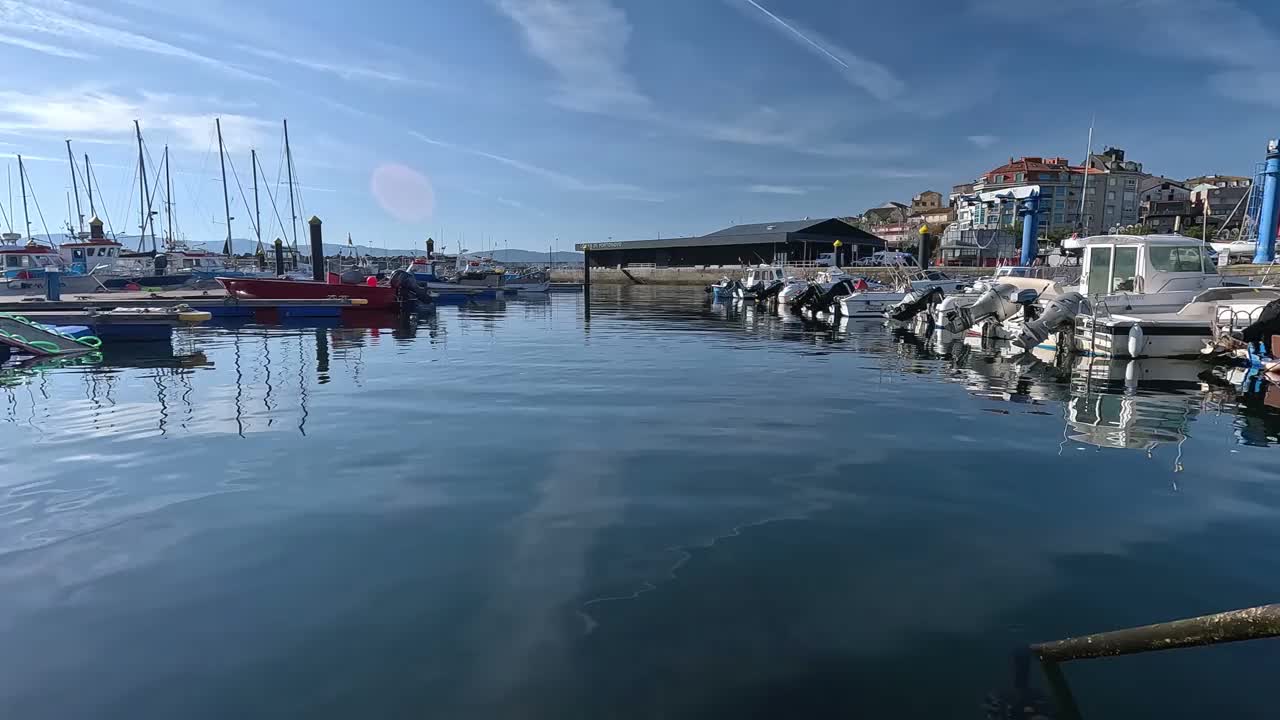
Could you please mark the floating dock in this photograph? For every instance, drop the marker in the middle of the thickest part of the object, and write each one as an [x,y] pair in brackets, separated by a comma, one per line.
[217,303]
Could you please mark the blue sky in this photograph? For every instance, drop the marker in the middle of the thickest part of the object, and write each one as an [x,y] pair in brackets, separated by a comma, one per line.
[524,121]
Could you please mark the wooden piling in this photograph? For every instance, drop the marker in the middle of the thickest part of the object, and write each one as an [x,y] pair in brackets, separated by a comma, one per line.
[317,250]
[279,247]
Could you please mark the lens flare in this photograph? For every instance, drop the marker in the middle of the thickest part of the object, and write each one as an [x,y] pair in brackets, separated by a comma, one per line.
[403,192]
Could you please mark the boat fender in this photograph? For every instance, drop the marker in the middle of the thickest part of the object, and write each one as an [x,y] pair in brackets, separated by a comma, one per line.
[1137,341]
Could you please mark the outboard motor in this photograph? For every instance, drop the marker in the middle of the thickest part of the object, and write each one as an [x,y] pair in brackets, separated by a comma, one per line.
[1061,311]
[1259,333]
[770,292]
[999,302]
[826,301]
[914,302]
[408,292]
[801,301]
[160,262]
[351,277]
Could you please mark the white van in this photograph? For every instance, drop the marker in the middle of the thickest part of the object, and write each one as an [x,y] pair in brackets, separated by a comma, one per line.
[892,258]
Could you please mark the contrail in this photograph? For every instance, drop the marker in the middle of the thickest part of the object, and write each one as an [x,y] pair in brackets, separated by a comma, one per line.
[799,34]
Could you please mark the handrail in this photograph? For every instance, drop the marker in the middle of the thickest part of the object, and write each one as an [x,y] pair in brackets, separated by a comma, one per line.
[1252,623]
[1255,623]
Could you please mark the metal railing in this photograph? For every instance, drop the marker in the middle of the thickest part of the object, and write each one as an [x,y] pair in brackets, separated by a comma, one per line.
[1255,623]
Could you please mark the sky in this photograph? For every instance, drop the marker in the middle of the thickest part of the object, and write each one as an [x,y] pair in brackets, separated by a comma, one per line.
[542,123]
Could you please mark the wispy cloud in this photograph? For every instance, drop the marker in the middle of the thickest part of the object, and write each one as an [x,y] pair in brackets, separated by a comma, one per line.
[560,179]
[768,127]
[84,26]
[983,141]
[777,190]
[1233,45]
[54,50]
[64,113]
[347,70]
[872,77]
[585,43]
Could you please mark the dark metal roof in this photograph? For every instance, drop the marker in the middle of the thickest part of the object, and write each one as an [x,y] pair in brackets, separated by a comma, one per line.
[753,234]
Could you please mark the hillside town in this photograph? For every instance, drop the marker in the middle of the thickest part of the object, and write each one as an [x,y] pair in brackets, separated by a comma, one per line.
[1108,193]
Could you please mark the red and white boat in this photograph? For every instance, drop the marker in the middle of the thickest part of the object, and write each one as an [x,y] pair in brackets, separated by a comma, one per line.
[376,297]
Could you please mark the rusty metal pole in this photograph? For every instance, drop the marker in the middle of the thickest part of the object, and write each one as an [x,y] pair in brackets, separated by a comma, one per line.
[586,278]
[1253,623]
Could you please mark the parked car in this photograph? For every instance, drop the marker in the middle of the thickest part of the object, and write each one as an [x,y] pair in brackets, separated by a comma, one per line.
[890,258]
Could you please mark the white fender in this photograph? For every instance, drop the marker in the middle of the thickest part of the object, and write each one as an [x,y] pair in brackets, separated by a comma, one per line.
[1137,341]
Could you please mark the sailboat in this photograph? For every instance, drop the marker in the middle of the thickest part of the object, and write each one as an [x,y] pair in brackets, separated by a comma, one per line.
[376,296]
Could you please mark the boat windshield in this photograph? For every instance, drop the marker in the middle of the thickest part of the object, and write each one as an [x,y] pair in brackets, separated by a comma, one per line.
[1181,258]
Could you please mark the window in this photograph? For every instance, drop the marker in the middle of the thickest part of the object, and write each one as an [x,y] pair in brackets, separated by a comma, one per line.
[12,261]
[1099,270]
[1125,274]
[1111,182]
[1111,194]
[1058,218]
[1129,195]
[1019,177]
[1179,258]
[1131,182]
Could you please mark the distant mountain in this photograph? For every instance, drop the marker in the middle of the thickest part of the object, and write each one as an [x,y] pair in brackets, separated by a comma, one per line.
[530,257]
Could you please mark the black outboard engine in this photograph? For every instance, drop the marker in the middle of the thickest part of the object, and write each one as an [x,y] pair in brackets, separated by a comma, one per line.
[826,301]
[352,277]
[913,303]
[1258,334]
[770,292]
[801,301]
[408,292]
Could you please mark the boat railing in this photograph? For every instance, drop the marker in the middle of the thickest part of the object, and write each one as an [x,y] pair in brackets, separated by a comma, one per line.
[1255,623]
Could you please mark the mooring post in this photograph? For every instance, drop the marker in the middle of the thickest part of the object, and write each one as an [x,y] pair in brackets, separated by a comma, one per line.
[586,277]
[52,284]
[317,250]
[279,247]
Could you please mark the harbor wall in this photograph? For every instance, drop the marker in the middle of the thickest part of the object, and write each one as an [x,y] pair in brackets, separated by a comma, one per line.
[699,277]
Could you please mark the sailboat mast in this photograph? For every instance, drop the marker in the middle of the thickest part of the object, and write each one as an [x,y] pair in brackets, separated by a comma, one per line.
[88,185]
[22,180]
[1084,190]
[168,198]
[257,212]
[226,201]
[288,162]
[142,187]
[8,172]
[75,186]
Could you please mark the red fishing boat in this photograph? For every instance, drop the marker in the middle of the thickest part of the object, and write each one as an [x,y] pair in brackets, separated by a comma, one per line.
[376,297]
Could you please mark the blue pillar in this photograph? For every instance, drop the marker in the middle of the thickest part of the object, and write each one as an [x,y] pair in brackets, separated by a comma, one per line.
[1266,252]
[1030,228]
[52,284]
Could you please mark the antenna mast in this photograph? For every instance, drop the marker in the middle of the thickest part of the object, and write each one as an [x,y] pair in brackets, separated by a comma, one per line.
[75,186]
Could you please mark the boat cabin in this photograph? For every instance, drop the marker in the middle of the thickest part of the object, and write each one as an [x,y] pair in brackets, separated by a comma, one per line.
[1146,264]
[764,274]
[28,260]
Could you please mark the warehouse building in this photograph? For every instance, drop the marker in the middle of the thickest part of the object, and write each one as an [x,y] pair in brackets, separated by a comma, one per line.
[778,242]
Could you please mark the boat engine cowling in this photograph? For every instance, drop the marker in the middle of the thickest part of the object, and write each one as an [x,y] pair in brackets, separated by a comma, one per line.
[998,302]
[1061,311]
[408,290]
[914,302]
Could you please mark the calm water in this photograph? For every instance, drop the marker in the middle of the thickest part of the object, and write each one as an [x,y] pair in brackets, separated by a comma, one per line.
[672,510]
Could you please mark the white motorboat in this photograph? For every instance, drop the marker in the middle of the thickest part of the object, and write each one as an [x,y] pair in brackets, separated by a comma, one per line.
[537,281]
[825,280]
[1138,296]
[874,303]
[759,281]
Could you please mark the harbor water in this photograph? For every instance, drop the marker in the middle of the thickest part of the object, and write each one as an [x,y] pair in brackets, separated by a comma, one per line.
[672,508]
